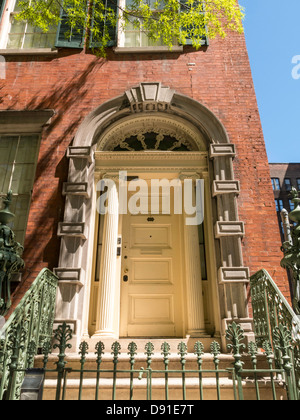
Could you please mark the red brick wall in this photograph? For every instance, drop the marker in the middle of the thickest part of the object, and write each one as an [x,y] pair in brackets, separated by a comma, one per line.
[74,83]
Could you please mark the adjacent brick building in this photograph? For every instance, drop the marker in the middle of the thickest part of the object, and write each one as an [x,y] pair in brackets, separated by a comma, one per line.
[77,104]
[284,176]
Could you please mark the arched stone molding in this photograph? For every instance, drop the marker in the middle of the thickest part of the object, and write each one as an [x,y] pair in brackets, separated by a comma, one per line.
[160,123]
[77,231]
[149,98]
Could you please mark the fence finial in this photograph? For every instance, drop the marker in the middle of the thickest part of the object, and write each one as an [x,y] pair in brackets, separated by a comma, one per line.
[235,336]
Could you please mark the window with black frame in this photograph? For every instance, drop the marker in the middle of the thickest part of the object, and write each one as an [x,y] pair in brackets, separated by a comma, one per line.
[275,184]
[279,205]
[288,184]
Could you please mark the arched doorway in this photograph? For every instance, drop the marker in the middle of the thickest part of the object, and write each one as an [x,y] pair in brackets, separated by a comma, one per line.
[158,273]
[106,143]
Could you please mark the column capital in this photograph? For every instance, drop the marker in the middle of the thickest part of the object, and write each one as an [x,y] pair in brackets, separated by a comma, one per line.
[190,175]
[114,176]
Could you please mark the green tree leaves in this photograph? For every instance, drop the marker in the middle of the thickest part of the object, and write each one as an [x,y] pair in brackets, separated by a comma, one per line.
[171,22]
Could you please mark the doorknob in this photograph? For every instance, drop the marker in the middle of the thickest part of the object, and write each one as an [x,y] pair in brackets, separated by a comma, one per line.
[125,277]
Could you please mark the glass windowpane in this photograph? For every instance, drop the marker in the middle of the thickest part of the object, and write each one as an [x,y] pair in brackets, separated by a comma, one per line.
[14,41]
[132,39]
[279,205]
[8,146]
[22,179]
[23,35]
[17,170]
[275,184]
[5,173]
[288,185]
[17,27]
[19,207]
[27,149]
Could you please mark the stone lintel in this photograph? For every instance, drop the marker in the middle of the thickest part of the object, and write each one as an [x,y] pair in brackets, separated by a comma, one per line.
[24,121]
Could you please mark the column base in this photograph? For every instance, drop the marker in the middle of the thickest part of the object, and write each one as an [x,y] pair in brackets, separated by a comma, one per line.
[197,333]
[105,334]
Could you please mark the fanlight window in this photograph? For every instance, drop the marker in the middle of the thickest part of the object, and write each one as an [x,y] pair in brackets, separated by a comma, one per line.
[152,141]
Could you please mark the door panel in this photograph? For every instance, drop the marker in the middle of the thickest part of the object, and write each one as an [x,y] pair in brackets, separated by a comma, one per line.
[151,271]
[151,295]
[145,236]
[151,315]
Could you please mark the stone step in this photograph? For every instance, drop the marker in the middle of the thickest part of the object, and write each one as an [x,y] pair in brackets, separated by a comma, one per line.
[157,364]
[226,389]
[158,378]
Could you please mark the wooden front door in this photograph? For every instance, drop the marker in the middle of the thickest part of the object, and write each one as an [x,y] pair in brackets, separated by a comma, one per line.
[151,276]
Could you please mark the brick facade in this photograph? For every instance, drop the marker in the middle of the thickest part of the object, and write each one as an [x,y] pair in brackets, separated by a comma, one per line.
[73,83]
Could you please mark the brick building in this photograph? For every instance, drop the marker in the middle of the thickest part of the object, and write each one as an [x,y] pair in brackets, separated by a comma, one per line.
[69,119]
[284,176]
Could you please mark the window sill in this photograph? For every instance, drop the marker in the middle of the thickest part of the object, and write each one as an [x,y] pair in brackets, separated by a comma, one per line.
[145,50]
[29,51]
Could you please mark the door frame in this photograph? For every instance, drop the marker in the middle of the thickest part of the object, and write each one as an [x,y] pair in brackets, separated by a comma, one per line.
[179,290]
[159,163]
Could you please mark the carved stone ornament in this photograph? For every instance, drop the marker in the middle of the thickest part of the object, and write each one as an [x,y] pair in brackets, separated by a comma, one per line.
[151,132]
[150,97]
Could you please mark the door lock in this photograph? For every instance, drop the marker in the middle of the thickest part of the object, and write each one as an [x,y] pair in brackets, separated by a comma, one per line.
[125,277]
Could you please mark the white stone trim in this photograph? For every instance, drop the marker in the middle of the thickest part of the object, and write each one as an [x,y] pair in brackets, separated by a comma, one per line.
[72,229]
[76,188]
[79,152]
[229,229]
[218,150]
[72,276]
[225,187]
[234,275]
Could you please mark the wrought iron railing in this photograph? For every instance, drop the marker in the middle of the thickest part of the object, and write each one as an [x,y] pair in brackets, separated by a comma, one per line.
[29,328]
[270,312]
[272,362]
[259,370]
[270,309]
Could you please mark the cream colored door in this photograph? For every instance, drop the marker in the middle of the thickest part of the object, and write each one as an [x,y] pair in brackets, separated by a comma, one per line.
[151,289]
